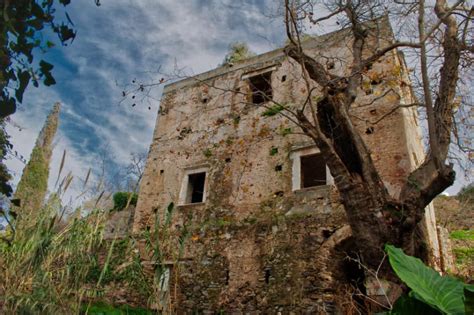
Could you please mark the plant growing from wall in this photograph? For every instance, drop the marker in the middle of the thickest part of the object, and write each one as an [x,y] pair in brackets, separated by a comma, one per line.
[238,52]
[166,246]
[124,199]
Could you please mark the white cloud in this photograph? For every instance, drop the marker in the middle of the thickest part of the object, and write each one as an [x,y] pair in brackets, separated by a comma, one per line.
[117,42]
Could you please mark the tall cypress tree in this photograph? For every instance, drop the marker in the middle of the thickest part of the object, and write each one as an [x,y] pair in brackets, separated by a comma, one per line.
[33,186]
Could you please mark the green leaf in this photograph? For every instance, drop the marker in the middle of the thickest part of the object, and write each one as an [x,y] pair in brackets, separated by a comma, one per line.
[49,80]
[7,106]
[24,79]
[443,293]
[285,131]
[273,110]
[66,33]
[45,66]
[469,299]
[409,305]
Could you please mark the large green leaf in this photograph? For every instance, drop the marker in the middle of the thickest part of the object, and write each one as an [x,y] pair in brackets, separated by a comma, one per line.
[469,299]
[409,305]
[443,293]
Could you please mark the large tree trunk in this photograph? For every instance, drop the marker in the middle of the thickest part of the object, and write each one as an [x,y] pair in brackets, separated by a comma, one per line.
[375,217]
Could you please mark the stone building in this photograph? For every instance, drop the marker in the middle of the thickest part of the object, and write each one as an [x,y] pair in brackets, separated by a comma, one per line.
[261,225]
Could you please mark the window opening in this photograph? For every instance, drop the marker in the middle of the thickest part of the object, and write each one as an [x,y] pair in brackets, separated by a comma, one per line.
[261,87]
[313,170]
[267,275]
[164,279]
[195,192]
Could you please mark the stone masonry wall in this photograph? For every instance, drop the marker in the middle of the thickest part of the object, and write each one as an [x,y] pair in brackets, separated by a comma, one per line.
[255,244]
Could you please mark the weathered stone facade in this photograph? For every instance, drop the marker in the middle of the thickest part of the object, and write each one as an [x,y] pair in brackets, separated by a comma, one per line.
[258,239]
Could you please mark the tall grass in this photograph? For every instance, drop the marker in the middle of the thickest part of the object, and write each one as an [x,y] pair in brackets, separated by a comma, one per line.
[49,268]
[44,268]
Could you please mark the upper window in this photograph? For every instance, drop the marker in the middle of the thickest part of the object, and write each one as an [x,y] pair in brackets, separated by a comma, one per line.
[313,170]
[261,87]
[193,188]
[309,169]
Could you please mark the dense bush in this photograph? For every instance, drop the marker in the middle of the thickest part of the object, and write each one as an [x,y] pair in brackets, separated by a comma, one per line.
[466,194]
[122,199]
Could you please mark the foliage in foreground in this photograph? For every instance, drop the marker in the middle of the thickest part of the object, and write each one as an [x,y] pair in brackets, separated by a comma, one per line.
[68,270]
[45,272]
[430,293]
[105,309]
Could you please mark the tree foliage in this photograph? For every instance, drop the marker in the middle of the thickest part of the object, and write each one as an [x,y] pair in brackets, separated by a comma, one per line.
[33,185]
[5,146]
[24,29]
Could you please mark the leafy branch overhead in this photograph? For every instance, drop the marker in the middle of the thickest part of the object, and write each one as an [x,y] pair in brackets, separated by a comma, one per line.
[24,29]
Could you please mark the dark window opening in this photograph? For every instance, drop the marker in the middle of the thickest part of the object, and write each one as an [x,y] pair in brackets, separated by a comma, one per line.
[267,275]
[162,171]
[278,168]
[283,78]
[313,171]
[227,277]
[369,131]
[195,193]
[228,160]
[261,87]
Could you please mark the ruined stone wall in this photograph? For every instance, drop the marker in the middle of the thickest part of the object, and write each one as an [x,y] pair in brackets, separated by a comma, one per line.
[255,243]
[209,121]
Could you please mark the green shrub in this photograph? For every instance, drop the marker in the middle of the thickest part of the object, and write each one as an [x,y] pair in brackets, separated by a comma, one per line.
[462,235]
[463,255]
[466,194]
[106,309]
[121,199]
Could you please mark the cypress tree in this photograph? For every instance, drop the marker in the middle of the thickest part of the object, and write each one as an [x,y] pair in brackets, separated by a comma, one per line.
[33,186]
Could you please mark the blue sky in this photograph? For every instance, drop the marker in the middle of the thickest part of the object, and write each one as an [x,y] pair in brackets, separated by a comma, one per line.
[121,41]
[118,42]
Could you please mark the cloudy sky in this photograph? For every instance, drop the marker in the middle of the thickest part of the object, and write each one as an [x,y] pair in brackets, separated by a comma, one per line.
[117,43]
[120,42]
